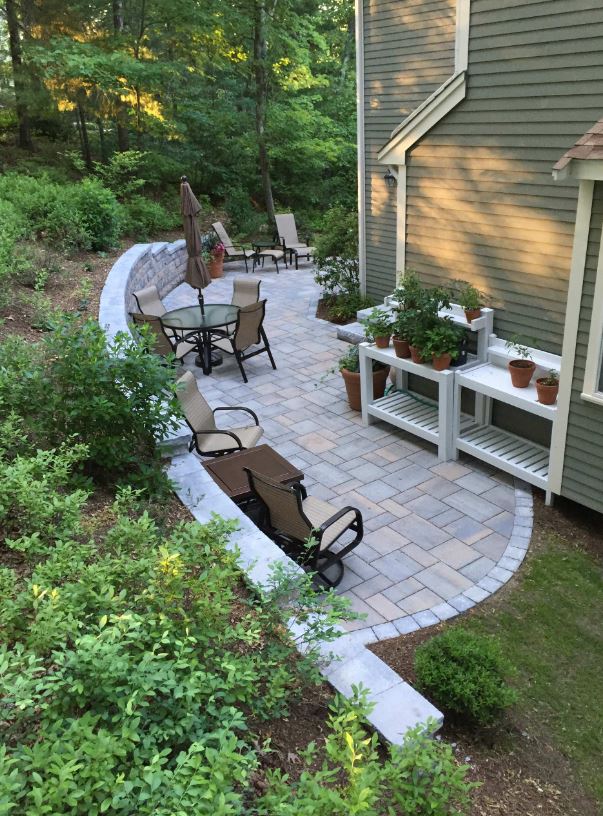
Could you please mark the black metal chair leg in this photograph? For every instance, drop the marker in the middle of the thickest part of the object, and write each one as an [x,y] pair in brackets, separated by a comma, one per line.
[267,345]
[240,364]
[247,265]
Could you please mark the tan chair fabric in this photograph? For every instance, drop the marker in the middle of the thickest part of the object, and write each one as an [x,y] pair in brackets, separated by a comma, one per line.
[247,331]
[208,443]
[245,291]
[149,301]
[229,249]
[283,507]
[319,511]
[163,345]
[196,409]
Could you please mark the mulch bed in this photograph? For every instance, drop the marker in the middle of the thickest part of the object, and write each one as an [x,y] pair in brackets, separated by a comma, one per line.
[323,313]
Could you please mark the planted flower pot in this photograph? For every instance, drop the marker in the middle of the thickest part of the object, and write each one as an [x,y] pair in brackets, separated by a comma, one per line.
[401,347]
[521,372]
[215,267]
[416,354]
[352,385]
[547,394]
[382,340]
[472,314]
[441,362]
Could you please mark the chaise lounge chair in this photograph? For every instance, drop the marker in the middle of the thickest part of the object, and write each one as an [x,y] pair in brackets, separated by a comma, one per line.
[233,251]
[287,233]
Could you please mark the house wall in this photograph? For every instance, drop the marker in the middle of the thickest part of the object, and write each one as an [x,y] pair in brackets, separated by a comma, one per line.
[583,464]
[482,204]
[408,53]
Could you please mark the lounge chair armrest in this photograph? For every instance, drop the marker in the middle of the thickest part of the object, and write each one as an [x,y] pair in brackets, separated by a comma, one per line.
[218,431]
[340,513]
[238,408]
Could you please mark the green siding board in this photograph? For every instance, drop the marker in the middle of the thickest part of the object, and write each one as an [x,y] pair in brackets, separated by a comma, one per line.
[583,465]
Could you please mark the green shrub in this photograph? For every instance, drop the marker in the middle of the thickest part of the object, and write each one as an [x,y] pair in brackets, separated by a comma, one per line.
[12,227]
[144,217]
[70,385]
[464,674]
[99,211]
[338,235]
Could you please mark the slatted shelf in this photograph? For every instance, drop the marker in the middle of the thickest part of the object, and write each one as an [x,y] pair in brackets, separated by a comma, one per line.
[417,415]
[505,450]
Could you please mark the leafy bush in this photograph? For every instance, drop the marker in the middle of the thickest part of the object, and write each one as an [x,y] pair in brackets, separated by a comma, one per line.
[338,235]
[12,227]
[70,385]
[340,281]
[464,673]
[420,778]
[99,212]
[144,217]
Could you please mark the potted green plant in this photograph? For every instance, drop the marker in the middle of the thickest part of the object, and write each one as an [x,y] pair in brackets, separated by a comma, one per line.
[212,252]
[522,367]
[470,299]
[402,327]
[548,388]
[378,326]
[409,292]
[349,365]
[442,343]
[420,326]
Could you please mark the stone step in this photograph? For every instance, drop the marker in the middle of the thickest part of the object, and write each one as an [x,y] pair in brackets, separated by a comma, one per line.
[351,333]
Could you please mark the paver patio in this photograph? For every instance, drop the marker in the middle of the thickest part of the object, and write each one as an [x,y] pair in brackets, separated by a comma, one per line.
[439,536]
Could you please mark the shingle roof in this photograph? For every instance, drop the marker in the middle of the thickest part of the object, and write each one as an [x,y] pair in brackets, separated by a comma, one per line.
[589,146]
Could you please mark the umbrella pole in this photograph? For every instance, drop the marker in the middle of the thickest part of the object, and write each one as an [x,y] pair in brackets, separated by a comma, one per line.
[201,302]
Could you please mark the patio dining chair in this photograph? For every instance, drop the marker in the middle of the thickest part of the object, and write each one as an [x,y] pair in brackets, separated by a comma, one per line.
[149,303]
[287,233]
[164,343]
[307,526]
[248,332]
[208,439]
[232,251]
[245,291]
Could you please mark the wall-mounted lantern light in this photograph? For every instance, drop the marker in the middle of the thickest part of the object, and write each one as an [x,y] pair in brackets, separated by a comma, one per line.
[390,179]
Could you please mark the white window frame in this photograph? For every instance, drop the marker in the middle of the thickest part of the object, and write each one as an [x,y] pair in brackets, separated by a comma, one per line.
[594,356]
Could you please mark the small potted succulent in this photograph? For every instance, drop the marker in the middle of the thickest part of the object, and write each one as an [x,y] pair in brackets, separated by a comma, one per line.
[402,327]
[522,367]
[548,388]
[349,365]
[212,252]
[378,326]
[442,343]
[470,299]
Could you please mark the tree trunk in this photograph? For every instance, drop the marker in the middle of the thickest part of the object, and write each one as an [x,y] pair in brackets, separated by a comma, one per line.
[346,52]
[19,77]
[123,137]
[260,49]
[86,155]
[101,140]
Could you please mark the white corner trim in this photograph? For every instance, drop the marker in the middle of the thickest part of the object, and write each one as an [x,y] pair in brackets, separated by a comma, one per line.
[401,222]
[592,368]
[570,334]
[360,144]
[461,40]
[423,118]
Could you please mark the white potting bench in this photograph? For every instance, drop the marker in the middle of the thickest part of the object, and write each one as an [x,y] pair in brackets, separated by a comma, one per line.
[429,419]
[476,435]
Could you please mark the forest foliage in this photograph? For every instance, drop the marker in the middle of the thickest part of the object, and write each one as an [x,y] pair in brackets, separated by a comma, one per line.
[253,100]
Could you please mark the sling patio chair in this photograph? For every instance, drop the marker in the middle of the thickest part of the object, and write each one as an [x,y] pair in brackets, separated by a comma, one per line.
[149,303]
[287,233]
[232,251]
[164,343]
[245,291]
[208,439]
[248,332]
[305,526]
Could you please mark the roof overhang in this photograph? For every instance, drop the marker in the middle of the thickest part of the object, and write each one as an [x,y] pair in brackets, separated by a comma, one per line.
[423,118]
[581,169]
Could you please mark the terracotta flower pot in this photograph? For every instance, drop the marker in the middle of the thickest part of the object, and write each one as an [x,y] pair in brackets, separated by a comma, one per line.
[352,385]
[547,394]
[401,347]
[216,266]
[521,372]
[472,314]
[415,354]
[382,340]
[442,362]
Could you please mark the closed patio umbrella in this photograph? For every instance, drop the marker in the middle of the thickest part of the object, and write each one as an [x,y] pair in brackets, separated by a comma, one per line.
[197,275]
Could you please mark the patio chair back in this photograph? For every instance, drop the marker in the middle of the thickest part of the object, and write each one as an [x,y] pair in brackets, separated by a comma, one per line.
[223,236]
[197,412]
[149,302]
[283,505]
[161,343]
[248,331]
[245,291]
[287,230]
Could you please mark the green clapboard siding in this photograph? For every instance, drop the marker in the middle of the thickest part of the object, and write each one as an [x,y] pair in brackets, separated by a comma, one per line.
[482,204]
[408,53]
[583,466]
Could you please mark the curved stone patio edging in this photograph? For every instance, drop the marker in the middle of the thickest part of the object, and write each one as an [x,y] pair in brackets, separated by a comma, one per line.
[397,706]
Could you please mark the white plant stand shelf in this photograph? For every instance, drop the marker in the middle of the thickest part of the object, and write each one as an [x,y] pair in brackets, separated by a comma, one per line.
[505,450]
[415,414]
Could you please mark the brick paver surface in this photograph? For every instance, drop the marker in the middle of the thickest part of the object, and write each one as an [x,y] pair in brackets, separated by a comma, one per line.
[434,531]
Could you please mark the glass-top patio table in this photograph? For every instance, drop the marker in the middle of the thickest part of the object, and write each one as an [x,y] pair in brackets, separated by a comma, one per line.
[191,323]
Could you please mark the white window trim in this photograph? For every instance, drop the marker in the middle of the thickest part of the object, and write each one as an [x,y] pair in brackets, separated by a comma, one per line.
[594,355]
